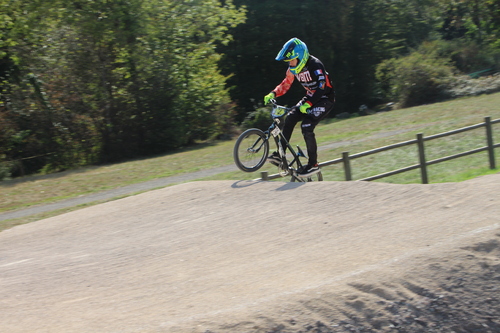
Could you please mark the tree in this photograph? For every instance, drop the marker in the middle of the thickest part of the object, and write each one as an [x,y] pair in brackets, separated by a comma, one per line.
[350,36]
[477,20]
[99,81]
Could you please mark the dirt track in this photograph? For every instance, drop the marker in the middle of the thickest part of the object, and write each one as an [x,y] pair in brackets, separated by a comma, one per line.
[226,256]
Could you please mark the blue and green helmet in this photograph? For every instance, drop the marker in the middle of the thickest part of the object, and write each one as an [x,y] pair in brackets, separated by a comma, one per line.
[294,49]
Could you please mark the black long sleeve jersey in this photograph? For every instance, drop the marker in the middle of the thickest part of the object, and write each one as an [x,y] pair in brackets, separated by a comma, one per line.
[314,78]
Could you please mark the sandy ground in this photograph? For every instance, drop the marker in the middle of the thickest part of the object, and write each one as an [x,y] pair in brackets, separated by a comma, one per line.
[223,256]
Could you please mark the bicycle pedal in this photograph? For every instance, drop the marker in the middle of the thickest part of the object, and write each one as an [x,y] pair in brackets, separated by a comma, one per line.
[283,172]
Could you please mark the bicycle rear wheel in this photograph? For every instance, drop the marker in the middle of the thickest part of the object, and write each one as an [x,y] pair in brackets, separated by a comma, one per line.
[251,150]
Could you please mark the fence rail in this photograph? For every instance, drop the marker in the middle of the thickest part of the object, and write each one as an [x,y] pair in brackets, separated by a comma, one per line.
[422,163]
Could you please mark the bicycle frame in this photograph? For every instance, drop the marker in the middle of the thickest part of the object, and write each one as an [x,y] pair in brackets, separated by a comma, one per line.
[252,146]
[275,131]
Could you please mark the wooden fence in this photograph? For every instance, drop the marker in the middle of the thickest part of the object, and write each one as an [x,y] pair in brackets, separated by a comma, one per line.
[422,163]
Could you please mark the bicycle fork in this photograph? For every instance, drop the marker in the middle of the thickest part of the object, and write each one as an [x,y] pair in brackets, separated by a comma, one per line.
[284,163]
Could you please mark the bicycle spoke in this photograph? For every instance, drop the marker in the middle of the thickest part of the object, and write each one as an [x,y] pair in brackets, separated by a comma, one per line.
[250,151]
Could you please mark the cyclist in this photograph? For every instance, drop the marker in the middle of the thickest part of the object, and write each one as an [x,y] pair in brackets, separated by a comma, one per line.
[313,107]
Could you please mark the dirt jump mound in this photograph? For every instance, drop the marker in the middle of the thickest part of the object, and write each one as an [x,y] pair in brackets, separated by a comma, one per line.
[225,256]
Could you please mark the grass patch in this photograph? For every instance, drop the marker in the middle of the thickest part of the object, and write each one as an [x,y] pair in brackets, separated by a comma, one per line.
[353,135]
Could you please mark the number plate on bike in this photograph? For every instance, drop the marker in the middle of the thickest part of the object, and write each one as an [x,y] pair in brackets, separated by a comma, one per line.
[275,132]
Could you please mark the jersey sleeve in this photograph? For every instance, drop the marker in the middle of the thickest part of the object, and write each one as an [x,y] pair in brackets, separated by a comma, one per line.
[285,85]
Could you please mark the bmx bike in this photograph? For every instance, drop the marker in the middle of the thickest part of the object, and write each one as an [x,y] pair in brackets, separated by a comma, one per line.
[252,148]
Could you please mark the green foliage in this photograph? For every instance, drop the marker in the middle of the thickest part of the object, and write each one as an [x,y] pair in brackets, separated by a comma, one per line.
[260,118]
[419,78]
[436,71]
[475,20]
[185,51]
[350,37]
[465,55]
[99,81]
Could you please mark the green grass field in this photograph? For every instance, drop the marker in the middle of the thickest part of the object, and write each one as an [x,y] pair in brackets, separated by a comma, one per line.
[365,133]
[353,135]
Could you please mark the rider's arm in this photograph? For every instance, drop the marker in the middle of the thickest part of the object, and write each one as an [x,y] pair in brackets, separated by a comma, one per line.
[285,85]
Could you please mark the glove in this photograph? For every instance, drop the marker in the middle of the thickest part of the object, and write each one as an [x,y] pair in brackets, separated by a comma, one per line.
[304,108]
[269,97]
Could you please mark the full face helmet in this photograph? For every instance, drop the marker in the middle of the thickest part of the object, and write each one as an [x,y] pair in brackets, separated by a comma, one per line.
[294,49]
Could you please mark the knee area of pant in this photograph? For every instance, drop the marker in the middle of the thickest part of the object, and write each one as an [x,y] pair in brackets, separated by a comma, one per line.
[307,133]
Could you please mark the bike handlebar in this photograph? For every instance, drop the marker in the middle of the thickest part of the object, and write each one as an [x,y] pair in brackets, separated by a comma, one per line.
[278,110]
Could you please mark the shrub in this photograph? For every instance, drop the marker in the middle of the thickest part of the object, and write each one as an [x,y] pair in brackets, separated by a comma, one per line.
[469,57]
[435,72]
[260,118]
[416,79]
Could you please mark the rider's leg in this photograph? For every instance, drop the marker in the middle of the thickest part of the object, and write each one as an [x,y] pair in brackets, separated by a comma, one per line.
[318,112]
[290,121]
[310,139]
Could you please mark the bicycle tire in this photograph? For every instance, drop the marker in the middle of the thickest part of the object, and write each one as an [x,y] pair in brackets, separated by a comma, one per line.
[247,156]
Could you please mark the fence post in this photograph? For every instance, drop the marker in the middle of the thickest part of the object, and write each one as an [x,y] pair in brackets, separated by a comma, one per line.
[264,176]
[347,166]
[489,139]
[421,155]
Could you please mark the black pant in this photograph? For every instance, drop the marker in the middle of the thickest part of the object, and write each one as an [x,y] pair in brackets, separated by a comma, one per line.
[309,121]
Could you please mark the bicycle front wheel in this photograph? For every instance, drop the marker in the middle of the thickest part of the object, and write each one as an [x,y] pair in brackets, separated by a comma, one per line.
[251,150]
